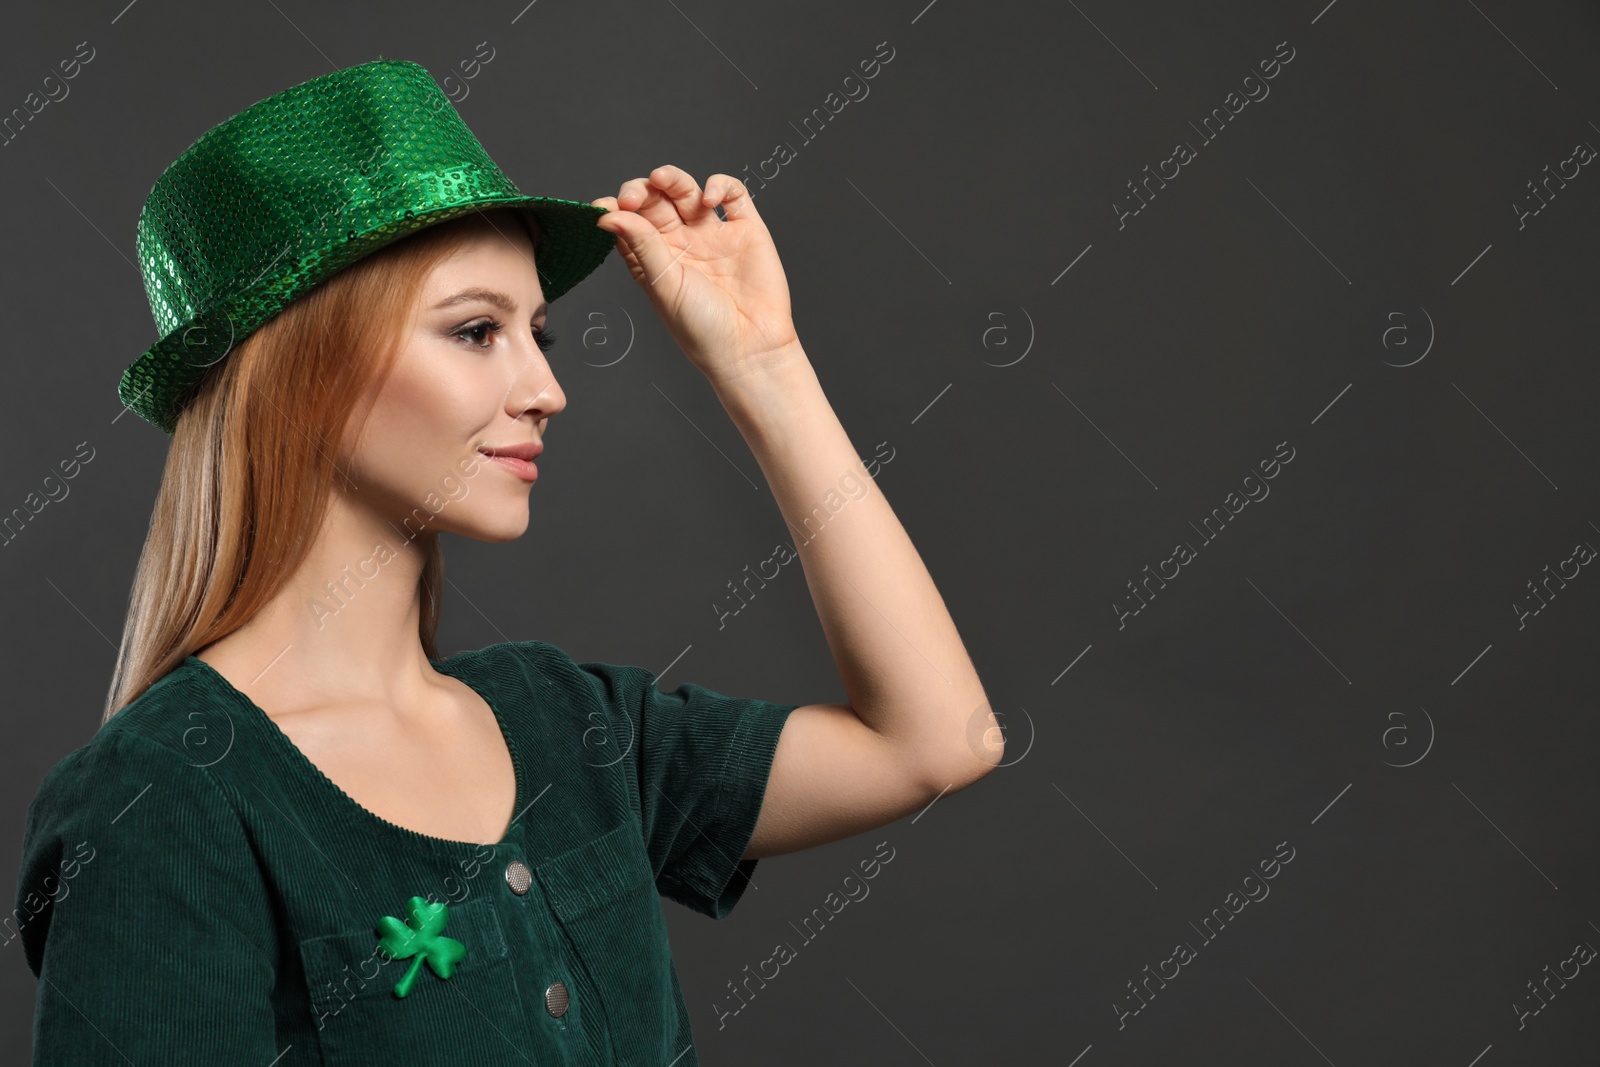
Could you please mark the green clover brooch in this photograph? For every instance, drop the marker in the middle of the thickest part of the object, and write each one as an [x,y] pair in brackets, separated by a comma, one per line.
[420,938]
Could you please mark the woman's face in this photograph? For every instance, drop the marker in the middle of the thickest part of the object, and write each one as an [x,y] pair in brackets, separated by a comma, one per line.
[469,378]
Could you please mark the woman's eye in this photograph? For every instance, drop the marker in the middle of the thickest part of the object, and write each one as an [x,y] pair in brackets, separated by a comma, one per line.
[542,337]
[492,327]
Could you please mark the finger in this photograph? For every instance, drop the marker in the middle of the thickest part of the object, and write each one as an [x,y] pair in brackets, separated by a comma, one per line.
[607,222]
[735,199]
[679,191]
[640,196]
[649,257]
[633,192]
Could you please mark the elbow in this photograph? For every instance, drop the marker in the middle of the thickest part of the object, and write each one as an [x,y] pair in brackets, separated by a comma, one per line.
[974,765]
[980,750]
[959,772]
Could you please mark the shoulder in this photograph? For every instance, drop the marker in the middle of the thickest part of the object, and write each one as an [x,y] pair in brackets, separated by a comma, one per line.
[555,679]
[159,734]
[138,775]
[550,675]
[154,744]
[159,739]
[178,712]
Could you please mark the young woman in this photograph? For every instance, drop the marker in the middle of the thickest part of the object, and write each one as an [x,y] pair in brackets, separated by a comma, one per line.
[300,835]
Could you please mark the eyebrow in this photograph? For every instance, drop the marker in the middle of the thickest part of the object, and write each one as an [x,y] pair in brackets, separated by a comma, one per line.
[491,296]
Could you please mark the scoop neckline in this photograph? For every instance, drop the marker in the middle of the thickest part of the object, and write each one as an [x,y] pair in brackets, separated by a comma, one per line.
[362,811]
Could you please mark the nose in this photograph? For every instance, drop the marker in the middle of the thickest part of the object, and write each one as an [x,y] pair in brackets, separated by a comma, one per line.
[533,386]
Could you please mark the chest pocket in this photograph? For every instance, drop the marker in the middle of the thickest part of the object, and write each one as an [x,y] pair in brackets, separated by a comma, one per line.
[472,1017]
[603,894]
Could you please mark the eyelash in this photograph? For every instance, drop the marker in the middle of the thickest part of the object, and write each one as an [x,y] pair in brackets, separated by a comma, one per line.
[542,337]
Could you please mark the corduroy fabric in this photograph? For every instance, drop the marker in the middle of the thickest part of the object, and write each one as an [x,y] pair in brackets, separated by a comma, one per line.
[193,889]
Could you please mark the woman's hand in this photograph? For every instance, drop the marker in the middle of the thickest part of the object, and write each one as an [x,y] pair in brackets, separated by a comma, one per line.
[718,285]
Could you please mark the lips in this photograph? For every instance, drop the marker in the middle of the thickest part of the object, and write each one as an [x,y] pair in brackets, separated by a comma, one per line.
[525,469]
[528,451]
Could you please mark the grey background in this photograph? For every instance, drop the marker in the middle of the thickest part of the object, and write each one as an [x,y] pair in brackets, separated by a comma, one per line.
[1359,617]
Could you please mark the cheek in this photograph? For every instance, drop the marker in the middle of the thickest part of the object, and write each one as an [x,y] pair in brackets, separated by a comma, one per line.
[421,421]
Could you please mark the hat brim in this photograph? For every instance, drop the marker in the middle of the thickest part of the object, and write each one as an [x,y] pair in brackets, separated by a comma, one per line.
[570,248]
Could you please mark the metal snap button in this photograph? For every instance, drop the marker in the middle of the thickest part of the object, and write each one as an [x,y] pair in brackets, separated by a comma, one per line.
[556,999]
[518,877]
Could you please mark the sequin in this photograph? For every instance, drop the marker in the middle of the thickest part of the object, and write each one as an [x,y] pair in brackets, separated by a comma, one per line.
[264,206]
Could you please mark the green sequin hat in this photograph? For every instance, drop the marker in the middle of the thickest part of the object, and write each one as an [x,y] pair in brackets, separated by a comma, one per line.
[300,185]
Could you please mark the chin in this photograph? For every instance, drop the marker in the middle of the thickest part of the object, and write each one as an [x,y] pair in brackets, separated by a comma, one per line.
[497,532]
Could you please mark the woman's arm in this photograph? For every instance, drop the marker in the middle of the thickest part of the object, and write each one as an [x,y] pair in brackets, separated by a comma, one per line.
[917,721]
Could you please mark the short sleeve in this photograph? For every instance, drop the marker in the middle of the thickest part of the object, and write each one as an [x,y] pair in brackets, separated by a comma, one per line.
[702,759]
[143,914]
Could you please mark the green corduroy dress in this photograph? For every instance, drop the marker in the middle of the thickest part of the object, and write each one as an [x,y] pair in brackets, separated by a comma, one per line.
[194,890]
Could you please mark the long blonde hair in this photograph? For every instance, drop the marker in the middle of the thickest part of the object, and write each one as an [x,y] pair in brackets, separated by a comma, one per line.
[253,459]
